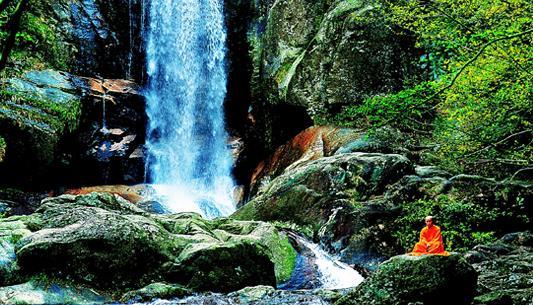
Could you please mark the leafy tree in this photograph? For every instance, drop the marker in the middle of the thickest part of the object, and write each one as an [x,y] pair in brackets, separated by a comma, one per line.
[476,109]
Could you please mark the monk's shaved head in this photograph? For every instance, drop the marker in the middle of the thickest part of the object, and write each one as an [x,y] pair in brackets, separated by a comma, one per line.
[429,218]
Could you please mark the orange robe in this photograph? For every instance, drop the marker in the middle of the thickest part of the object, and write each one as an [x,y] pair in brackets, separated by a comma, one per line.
[430,242]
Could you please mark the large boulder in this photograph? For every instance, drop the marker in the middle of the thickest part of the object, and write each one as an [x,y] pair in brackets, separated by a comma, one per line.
[505,272]
[337,200]
[409,279]
[322,141]
[104,241]
[309,192]
[313,57]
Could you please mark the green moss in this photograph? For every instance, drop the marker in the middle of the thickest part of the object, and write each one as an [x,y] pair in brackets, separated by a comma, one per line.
[41,41]
[3,147]
[407,279]
[284,257]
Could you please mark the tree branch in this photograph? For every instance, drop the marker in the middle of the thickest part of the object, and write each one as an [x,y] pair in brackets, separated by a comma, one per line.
[473,59]
[498,143]
[12,27]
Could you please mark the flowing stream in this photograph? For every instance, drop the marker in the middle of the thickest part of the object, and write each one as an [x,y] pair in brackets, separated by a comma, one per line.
[315,268]
[188,159]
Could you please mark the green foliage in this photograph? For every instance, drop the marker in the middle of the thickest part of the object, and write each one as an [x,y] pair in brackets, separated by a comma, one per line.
[39,42]
[477,106]
[405,110]
[463,224]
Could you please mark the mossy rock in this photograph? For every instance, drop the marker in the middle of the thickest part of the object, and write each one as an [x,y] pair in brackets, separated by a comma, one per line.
[37,111]
[318,56]
[156,291]
[103,241]
[429,279]
[504,269]
[307,194]
[11,232]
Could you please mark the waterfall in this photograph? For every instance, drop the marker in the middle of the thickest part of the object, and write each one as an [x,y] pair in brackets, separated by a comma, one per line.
[188,159]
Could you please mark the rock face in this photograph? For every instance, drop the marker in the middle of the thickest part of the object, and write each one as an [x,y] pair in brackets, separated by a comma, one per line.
[505,270]
[52,123]
[93,37]
[308,58]
[104,241]
[411,279]
[112,132]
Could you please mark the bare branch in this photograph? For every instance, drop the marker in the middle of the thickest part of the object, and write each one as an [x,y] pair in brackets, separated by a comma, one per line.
[498,143]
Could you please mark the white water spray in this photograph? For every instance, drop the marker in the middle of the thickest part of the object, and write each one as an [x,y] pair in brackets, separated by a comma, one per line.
[188,159]
[334,274]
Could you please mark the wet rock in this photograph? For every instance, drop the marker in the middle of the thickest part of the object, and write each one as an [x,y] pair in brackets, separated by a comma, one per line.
[322,141]
[40,292]
[409,279]
[112,132]
[505,270]
[97,35]
[53,124]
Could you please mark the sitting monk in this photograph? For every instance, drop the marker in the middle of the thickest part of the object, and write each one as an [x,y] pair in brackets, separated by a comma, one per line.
[430,240]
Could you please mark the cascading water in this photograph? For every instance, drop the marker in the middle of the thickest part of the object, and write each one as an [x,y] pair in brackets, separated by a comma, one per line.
[188,159]
[315,268]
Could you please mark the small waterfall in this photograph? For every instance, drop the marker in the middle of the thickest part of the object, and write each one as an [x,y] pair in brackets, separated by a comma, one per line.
[188,159]
[334,274]
[315,268]
[104,120]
